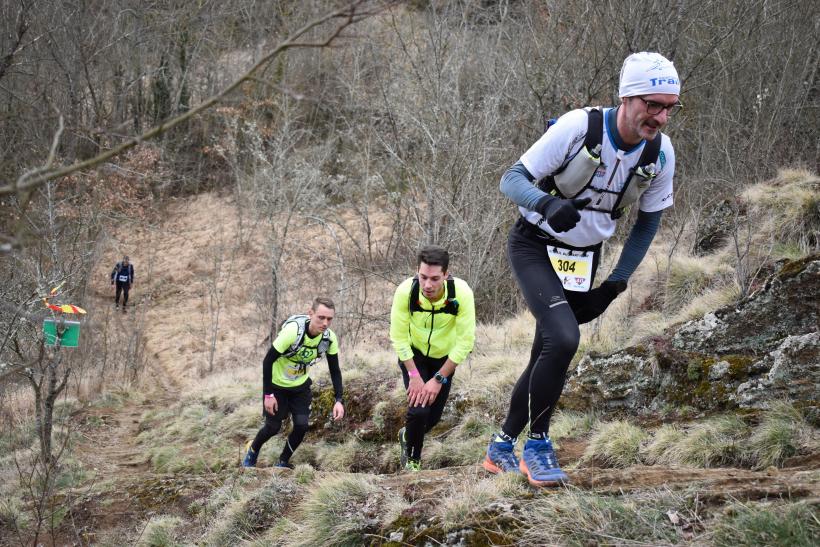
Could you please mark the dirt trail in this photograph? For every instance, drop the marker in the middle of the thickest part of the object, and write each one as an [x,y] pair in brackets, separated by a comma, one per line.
[170,318]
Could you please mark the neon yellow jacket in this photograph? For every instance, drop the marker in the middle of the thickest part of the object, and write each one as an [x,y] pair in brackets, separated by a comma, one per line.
[449,335]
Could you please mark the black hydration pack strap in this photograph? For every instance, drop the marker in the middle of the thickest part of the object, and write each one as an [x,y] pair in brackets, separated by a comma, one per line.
[592,140]
[649,155]
[301,331]
[450,305]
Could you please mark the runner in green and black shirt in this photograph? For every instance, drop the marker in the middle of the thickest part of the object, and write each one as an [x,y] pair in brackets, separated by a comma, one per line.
[302,340]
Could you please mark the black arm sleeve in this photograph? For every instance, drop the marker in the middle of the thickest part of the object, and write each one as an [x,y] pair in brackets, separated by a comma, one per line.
[335,376]
[267,364]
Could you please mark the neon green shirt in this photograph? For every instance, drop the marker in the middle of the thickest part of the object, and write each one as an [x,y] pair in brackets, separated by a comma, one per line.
[293,371]
[449,335]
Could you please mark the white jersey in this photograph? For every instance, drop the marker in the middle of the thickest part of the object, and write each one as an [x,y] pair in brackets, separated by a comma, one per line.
[563,140]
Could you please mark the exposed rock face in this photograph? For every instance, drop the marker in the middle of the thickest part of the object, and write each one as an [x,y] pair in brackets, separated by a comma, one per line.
[714,228]
[765,348]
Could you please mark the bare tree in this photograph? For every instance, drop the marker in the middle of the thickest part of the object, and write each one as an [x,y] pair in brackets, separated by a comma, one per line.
[344,17]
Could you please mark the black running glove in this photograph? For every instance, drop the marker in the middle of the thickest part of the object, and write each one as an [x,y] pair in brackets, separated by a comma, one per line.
[562,214]
[596,301]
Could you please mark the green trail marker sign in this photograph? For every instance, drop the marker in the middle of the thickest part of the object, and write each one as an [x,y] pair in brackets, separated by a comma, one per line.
[66,332]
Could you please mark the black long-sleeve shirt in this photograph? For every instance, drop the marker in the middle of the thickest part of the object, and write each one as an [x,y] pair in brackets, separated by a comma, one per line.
[332,365]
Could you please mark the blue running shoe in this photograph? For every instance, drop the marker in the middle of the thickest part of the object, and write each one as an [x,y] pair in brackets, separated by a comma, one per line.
[250,456]
[284,464]
[539,464]
[500,457]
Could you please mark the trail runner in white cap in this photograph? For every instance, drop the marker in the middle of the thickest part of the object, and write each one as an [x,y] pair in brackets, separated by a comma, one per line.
[571,187]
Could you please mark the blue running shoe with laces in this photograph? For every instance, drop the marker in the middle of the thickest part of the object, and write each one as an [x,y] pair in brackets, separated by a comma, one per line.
[250,456]
[500,457]
[539,464]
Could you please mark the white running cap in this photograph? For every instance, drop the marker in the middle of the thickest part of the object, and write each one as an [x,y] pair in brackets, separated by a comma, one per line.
[646,73]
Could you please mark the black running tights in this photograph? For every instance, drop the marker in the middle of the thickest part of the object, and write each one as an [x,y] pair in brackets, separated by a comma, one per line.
[295,403]
[421,419]
[556,336]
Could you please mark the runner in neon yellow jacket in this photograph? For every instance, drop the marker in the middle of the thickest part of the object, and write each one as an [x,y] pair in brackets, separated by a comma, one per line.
[432,328]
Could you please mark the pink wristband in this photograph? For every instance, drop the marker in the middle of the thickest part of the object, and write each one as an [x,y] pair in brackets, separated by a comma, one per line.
[413,373]
[268,395]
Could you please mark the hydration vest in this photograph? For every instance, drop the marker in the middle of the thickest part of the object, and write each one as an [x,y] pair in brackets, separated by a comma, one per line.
[122,273]
[576,174]
[301,331]
[450,304]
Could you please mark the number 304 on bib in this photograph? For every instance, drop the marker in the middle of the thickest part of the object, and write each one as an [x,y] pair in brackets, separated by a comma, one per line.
[574,271]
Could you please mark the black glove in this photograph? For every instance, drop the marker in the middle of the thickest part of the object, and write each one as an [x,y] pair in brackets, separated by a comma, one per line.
[593,303]
[562,214]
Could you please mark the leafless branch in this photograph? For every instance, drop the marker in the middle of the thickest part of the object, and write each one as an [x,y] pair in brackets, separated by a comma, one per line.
[349,15]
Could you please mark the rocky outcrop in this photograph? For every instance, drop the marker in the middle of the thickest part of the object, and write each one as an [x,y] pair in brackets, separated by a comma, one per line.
[766,347]
[715,228]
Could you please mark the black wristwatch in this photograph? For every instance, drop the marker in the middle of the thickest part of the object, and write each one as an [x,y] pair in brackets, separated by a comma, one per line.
[440,379]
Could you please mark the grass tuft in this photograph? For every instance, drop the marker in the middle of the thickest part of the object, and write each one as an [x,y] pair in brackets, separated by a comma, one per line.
[512,485]
[780,435]
[377,414]
[453,451]
[14,514]
[337,457]
[161,532]
[225,494]
[350,456]
[304,473]
[472,426]
[253,514]
[167,459]
[615,444]
[340,511]
[568,423]
[467,501]
[786,210]
[768,524]
[585,518]
[246,418]
[715,442]
[659,449]
[688,278]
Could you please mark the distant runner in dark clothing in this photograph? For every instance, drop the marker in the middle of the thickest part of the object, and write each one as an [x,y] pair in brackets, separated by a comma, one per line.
[123,276]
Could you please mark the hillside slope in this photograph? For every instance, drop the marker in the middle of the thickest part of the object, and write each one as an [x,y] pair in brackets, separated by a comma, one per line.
[166,454]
